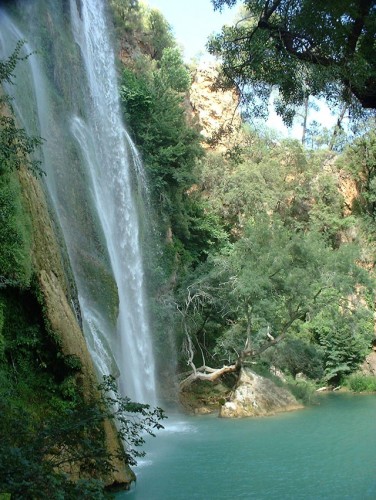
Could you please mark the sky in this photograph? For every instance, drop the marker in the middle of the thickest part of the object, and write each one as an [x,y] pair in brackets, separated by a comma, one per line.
[193,21]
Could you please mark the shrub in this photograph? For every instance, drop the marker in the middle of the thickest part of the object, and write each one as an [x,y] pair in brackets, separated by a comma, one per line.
[361,383]
[15,241]
[304,391]
[34,452]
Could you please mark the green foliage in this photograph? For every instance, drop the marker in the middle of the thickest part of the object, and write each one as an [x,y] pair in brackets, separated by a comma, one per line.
[32,361]
[295,356]
[253,183]
[8,66]
[15,237]
[15,145]
[304,391]
[159,33]
[301,48]
[33,453]
[137,21]
[158,123]
[275,267]
[127,14]
[153,104]
[133,420]
[360,160]
[173,74]
[197,230]
[361,383]
[46,426]
[275,283]
[345,337]
[276,177]
[136,95]
[16,148]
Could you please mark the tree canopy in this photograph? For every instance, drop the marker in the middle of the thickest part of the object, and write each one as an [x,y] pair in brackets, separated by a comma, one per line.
[274,283]
[302,48]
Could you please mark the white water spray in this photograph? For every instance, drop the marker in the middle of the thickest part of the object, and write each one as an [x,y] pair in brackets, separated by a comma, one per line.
[108,164]
[107,155]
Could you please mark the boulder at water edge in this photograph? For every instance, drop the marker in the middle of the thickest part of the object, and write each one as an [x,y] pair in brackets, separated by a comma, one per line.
[257,396]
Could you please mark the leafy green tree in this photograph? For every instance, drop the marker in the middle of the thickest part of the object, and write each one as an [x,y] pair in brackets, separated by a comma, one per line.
[267,285]
[261,179]
[278,277]
[127,14]
[159,34]
[344,336]
[302,48]
[297,356]
[276,177]
[173,74]
[153,106]
[34,453]
[153,99]
[15,238]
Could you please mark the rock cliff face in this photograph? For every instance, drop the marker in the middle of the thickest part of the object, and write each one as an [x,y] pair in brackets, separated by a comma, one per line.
[256,396]
[369,365]
[55,298]
[216,112]
[346,185]
[219,117]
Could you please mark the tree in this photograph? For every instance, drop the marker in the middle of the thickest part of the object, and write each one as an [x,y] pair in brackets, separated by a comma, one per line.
[37,457]
[153,105]
[297,356]
[303,48]
[127,15]
[344,338]
[275,177]
[265,286]
[159,34]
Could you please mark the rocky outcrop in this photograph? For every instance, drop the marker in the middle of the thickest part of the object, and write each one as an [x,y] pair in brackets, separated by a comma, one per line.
[203,397]
[257,396]
[216,111]
[346,184]
[369,365]
[349,190]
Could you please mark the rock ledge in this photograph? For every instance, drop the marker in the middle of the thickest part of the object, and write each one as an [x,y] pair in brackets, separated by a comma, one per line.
[255,395]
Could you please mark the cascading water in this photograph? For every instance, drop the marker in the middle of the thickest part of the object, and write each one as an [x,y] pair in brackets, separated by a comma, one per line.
[88,158]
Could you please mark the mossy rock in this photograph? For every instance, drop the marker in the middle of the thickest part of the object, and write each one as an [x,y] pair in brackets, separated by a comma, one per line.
[203,397]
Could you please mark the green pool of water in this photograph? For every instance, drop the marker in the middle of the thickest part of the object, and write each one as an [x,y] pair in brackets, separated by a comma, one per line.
[324,452]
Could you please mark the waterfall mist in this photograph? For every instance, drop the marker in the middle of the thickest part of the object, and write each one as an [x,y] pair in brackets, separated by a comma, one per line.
[67,93]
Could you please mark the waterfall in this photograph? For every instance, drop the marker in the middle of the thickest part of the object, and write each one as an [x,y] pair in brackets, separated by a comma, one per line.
[90,164]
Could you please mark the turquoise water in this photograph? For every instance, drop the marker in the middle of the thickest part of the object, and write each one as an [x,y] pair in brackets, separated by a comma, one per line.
[324,452]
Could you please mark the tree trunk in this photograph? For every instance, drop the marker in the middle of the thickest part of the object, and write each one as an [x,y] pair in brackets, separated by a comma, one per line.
[305,118]
[207,373]
[338,127]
